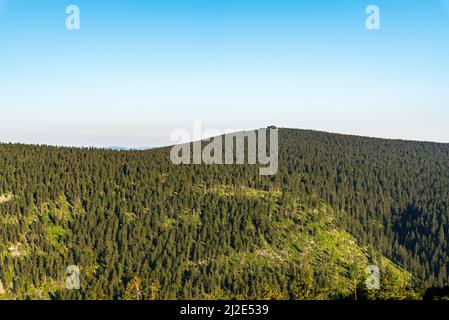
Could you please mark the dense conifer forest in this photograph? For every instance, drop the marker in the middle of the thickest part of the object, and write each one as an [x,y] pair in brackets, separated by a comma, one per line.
[139,227]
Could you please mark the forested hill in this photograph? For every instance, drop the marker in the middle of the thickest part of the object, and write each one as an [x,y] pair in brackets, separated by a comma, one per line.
[138,226]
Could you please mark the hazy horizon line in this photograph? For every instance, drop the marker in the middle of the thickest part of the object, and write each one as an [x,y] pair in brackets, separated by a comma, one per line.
[119,147]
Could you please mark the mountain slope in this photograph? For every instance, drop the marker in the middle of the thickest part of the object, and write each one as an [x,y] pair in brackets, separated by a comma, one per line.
[302,255]
[396,192]
[139,227]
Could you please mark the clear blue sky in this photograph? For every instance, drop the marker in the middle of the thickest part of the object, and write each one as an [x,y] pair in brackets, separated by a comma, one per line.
[138,69]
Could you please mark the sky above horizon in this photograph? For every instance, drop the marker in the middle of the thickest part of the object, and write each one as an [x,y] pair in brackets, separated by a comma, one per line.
[136,70]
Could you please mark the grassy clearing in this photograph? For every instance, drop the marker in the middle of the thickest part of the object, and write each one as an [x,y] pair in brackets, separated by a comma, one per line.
[6,197]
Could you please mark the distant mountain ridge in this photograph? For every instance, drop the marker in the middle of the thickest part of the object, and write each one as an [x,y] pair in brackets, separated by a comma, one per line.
[121,148]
